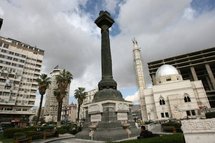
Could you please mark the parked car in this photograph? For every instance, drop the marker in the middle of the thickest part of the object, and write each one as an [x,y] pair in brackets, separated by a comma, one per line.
[1,130]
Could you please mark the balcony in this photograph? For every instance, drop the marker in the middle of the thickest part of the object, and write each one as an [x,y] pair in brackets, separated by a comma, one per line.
[30,112]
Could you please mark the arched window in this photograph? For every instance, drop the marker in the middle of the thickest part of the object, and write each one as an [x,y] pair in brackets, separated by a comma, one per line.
[162,101]
[187,98]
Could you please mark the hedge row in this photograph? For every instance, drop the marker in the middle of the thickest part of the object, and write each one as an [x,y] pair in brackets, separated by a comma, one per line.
[72,129]
[34,132]
[210,115]
[171,126]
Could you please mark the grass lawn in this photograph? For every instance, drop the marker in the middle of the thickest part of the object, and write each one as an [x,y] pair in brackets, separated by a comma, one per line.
[5,140]
[175,138]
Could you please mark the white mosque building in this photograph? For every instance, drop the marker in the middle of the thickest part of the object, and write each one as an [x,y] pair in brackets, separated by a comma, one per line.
[171,96]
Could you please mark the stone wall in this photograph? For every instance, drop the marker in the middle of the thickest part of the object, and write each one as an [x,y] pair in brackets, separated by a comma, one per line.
[199,130]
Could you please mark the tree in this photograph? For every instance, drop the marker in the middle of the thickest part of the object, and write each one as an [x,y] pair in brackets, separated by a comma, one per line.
[63,81]
[80,95]
[43,83]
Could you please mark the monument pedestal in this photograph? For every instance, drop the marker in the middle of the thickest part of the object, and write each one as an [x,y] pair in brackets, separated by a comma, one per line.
[109,120]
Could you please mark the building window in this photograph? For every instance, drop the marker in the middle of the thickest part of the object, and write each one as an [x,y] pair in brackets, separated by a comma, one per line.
[162,115]
[193,112]
[167,114]
[188,113]
[168,79]
[6,45]
[187,99]
[162,101]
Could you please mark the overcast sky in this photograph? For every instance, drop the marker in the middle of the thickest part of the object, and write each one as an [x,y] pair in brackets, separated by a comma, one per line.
[65,29]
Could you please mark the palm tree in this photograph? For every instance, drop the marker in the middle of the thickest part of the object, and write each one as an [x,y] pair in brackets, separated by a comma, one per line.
[63,80]
[80,95]
[43,83]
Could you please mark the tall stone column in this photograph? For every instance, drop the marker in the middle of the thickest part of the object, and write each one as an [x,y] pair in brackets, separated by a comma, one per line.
[104,21]
[210,73]
[1,21]
[108,112]
[194,73]
[107,86]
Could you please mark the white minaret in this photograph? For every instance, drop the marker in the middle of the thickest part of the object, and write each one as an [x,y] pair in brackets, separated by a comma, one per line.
[140,78]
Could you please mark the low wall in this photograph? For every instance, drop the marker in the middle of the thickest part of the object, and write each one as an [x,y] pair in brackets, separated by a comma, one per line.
[199,130]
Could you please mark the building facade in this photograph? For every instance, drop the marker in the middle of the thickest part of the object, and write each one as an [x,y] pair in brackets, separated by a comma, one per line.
[86,102]
[173,97]
[20,66]
[72,112]
[51,104]
[199,65]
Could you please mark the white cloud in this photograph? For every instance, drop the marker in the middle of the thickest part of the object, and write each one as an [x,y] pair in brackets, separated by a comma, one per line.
[189,13]
[72,40]
[134,98]
[111,5]
[1,12]
[37,101]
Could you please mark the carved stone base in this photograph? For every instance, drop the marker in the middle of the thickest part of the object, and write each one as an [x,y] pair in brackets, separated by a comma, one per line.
[109,132]
[109,121]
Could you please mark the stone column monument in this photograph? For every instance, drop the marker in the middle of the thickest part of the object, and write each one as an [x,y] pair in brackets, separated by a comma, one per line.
[109,116]
[1,21]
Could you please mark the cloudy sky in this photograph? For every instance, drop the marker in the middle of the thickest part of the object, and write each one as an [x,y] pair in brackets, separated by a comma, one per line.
[65,29]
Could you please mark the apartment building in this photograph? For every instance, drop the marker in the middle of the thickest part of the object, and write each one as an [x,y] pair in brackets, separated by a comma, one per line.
[20,66]
[51,104]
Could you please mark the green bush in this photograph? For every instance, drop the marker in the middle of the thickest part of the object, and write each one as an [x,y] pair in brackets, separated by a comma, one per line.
[75,130]
[44,128]
[171,126]
[9,133]
[69,128]
[210,115]
[148,122]
[19,135]
[62,130]
[33,128]
[34,134]
[168,129]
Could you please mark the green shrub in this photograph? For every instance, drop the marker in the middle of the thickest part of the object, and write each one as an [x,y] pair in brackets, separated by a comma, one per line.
[210,115]
[9,133]
[34,134]
[168,129]
[148,122]
[19,135]
[62,130]
[171,126]
[44,128]
[30,128]
[75,129]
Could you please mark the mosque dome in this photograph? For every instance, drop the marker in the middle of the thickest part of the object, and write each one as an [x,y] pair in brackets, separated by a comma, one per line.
[166,70]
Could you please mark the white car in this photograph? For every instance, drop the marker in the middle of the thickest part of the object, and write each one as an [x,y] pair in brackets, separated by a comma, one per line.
[1,130]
